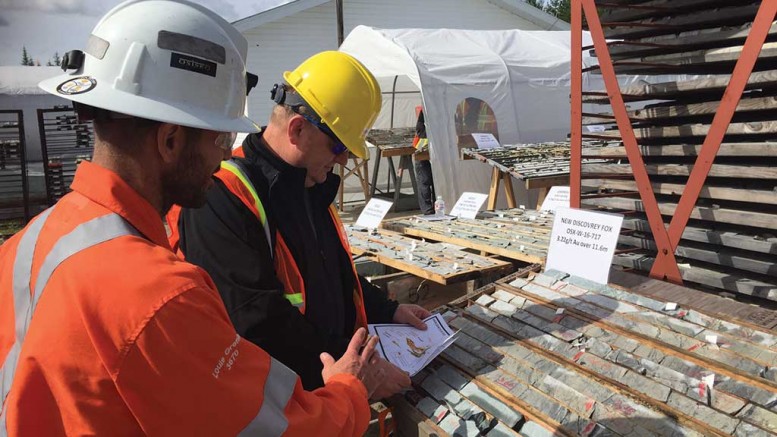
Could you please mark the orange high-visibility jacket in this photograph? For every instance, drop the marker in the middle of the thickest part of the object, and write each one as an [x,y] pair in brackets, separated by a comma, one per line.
[103,330]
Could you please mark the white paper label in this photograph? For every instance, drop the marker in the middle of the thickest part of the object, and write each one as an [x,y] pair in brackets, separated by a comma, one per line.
[595,128]
[582,243]
[560,311]
[670,306]
[468,205]
[373,213]
[485,140]
[557,197]
[711,339]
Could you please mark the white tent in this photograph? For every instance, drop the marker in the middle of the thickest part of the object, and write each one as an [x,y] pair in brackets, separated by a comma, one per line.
[524,76]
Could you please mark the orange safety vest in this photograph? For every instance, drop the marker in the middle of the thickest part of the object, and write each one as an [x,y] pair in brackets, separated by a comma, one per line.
[237,182]
[104,331]
[417,143]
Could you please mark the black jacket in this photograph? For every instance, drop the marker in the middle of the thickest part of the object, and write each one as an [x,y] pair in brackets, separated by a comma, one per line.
[228,241]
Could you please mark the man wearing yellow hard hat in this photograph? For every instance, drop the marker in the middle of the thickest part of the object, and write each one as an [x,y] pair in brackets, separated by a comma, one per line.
[270,236]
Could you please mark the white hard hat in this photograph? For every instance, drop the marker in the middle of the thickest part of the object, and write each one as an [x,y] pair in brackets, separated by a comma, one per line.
[166,60]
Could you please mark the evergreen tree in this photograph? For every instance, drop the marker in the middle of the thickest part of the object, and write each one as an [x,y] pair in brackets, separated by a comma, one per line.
[558,8]
[26,59]
[561,9]
[55,61]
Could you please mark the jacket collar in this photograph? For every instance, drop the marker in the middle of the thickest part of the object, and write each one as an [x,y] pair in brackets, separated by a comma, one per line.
[276,170]
[269,164]
[108,189]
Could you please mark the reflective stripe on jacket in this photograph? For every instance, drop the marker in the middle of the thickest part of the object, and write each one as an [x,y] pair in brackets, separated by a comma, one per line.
[104,331]
[238,183]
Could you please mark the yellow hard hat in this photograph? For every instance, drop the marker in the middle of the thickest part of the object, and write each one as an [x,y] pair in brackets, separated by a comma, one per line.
[342,92]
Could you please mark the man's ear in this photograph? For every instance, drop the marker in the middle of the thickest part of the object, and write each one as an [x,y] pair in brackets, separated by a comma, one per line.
[295,129]
[170,141]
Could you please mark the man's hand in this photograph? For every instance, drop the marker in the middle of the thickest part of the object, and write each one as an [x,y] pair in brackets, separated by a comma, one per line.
[356,361]
[394,380]
[412,315]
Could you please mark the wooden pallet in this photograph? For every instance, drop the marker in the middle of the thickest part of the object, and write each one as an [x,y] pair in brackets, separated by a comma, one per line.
[617,150]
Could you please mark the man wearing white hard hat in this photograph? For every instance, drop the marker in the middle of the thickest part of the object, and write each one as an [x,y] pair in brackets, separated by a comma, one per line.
[103,329]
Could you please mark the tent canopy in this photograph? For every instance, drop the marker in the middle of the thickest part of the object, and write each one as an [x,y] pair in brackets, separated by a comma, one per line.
[523,76]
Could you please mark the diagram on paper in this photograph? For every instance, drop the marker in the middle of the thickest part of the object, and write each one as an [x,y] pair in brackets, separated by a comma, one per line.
[409,348]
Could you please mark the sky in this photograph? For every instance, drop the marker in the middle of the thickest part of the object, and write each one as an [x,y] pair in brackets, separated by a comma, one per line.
[48,26]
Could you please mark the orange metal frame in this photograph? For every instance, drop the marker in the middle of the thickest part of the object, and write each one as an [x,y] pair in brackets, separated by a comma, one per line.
[665,266]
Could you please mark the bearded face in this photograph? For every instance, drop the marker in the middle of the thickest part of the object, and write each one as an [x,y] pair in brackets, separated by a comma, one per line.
[190,179]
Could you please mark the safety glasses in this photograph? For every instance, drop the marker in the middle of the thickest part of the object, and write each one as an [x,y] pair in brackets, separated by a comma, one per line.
[337,147]
[225,140]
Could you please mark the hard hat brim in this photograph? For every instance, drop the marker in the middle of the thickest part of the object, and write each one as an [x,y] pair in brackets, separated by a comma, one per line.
[104,96]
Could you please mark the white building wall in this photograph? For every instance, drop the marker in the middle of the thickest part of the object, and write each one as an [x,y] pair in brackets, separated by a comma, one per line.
[283,44]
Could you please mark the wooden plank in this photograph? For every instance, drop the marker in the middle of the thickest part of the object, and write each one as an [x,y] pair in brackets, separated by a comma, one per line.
[682,22]
[703,56]
[694,39]
[616,150]
[708,192]
[508,184]
[730,238]
[657,68]
[546,182]
[753,316]
[724,215]
[689,130]
[698,274]
[755,263]
[717,170]
[493,190]
[713,86]
[674,111]
[656,8]
[389,151]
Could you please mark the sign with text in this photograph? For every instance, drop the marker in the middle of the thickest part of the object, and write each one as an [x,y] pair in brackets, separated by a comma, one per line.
[558,197]
[373,213]
[582,243]
[468,205]
[485,140]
